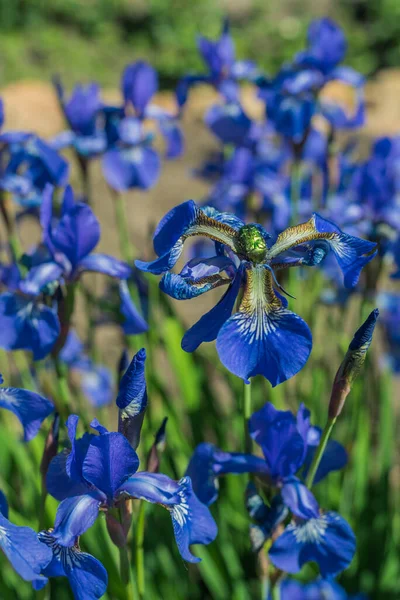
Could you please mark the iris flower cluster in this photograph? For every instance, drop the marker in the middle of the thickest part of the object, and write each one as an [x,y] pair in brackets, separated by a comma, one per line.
[119,134]
[97,475]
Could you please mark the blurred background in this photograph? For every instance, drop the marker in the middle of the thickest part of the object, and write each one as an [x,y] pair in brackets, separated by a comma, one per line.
[93,40]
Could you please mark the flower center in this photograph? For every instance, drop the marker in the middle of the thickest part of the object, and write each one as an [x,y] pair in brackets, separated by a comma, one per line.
[252,243]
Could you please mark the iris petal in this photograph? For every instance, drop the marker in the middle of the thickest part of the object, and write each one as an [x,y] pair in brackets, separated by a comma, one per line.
[30,408]
[352,253]
[263,338]
[27,555]
[207,328]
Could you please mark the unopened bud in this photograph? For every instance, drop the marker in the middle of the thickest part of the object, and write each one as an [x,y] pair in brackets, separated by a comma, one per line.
[158,447]
[132,399]
[351,364]
[119,520]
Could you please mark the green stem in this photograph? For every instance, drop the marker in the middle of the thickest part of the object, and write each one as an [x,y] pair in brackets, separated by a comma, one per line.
[295,191]
[63,392]
[125,572]
[319,452]
[42,510]
[246,416]
[139,550]
[126,247]
[276,592]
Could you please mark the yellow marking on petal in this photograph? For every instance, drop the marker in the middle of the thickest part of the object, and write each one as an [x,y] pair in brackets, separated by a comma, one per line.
[296,235]
[213,229]
[258,292]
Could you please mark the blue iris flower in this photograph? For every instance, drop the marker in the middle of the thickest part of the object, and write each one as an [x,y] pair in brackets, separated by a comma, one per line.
[83,113]
[71,238]
[224,71]
[101,470]
[288,443]
[26,553]
[293,96]
[290,589]
[263,336]
[28,164]
[130,161]
[86,575]
[326,539]
[26,321]
[30,408]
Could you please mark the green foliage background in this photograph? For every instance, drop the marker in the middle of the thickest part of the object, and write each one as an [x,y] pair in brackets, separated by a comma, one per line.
[92,39]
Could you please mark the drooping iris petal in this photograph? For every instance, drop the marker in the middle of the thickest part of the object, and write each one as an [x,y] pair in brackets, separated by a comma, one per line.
[345,116]
[191,520]
[229,123]
[86,575]
[182,288]
[139,84]
[327,540]
[352,253]
[56,166]
[263,338]
[128,168]
[132,399]
[334,457]
[26,554]
[208,462]
[134,323]
[27,326]
[108,462]
[30,408]
[277,433]
[299,499]
[77,233]
[76,515]
[208,327]
[102,263]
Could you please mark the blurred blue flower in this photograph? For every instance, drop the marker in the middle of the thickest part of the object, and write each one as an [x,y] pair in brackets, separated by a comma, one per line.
[27,555]
[100,470]
[27,323]
[389,306]
[130,161]
[30,408]
[290,589]
[263,336]
[294,95]
[71,239]
[28,165]
[86,575]
[96,380]
[224,71]
[83,114]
